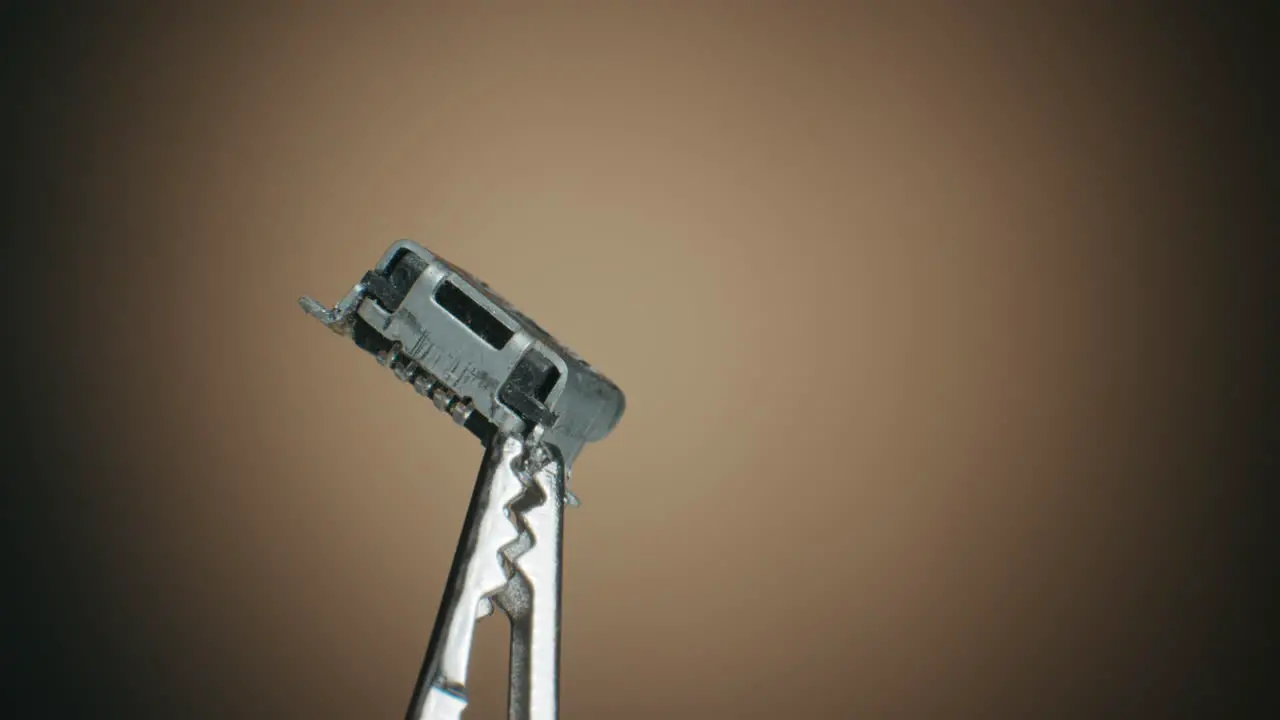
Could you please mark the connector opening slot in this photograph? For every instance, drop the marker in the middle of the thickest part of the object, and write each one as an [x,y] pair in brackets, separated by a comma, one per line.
[453,300]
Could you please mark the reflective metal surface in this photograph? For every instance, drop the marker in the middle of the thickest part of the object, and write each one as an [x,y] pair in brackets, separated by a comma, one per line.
[469,350]
[534,403]
[508,557]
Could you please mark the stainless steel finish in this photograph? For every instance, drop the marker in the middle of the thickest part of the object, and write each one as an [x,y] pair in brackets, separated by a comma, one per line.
[531,598]
[508,557]
[534,403]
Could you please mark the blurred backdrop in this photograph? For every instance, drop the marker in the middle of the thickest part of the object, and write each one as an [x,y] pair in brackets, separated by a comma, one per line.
[929,319]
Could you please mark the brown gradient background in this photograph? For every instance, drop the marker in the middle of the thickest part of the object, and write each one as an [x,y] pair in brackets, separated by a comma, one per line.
[928,319]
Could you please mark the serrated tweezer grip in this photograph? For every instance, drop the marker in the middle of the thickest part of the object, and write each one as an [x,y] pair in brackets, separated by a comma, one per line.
[508,556]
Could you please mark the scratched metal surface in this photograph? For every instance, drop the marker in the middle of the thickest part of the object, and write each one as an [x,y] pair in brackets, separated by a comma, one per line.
[921,309]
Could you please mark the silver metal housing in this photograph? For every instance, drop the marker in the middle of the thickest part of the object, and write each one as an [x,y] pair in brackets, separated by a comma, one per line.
[493,359]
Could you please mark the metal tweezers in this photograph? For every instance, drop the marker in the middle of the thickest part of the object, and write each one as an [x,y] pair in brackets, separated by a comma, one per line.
[518,497]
